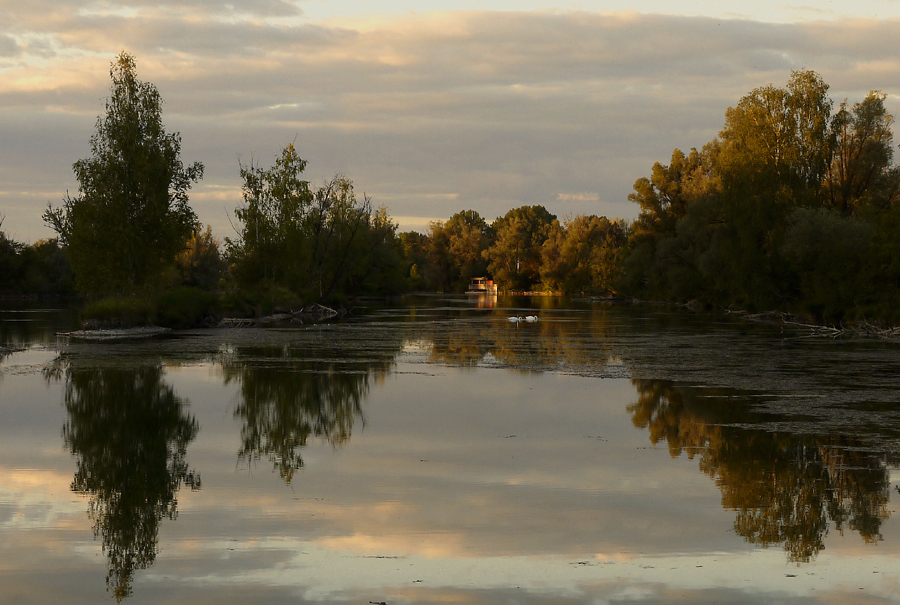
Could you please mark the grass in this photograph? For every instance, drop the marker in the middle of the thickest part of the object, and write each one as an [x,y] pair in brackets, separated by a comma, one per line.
[118,313]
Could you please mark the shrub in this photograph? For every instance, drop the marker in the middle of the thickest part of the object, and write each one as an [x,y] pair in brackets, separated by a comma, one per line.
[118,312]
[184,307]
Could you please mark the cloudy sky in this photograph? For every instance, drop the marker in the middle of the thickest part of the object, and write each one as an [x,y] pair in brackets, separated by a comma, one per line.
[430,106]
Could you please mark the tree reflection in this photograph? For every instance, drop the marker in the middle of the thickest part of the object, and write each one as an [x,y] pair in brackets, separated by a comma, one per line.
[785,488]
[129,432]
[292,393]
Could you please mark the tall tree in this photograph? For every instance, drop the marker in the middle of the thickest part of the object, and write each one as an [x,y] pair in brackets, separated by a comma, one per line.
[861,171]
[777,139]
[514,259]
[317,244]
[455,249]
[336,234]
[276,202]
[131,216]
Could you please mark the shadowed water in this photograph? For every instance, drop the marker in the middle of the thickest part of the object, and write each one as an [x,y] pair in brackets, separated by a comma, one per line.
[434,451]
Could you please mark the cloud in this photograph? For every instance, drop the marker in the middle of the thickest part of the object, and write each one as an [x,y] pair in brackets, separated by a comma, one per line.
[499,109]
[8,46]
[577,197]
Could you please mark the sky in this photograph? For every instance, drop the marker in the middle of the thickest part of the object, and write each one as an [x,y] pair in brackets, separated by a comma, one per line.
[430,106]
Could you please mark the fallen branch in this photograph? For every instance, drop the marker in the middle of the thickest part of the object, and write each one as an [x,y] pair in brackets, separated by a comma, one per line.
[863,328]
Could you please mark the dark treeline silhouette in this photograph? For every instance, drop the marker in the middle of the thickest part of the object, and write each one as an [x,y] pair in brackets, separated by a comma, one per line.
[39,269]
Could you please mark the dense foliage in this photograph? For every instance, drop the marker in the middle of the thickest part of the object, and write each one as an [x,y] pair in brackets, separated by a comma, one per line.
[315,244]
[131,216]
[527,249]
[791,207]
[38,269]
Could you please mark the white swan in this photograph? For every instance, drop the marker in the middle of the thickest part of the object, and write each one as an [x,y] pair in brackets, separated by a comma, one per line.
[531,318]
[515,320]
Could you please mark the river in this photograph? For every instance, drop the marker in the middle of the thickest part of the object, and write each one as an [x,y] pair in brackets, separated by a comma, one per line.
[435,452]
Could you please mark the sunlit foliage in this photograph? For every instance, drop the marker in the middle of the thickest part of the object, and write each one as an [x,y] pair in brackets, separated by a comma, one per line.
[514,258]
[455,250]
[783,210]
[582,255]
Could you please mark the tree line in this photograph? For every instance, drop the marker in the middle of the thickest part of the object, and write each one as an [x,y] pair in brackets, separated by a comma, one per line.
[39,268]
[131,233]
[527,249]
[793,206]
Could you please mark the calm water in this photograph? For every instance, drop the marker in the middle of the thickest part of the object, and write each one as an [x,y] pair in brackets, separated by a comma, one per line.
[437,453]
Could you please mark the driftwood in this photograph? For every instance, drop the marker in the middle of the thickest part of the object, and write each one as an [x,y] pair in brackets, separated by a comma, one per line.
[312,313]
[110,335]
[863,328]
[870,329]
[322,310]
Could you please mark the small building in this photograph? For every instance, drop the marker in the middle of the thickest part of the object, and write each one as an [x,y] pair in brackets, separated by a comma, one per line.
[482,285]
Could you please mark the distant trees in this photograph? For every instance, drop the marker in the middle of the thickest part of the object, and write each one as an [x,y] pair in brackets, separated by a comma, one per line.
[131,233]
[455,250]
[41,268]
[514,258]
[527,249]
[131,216]
[794,205]
[787,208]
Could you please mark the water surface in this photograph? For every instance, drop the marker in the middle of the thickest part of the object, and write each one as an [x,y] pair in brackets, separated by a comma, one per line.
[436,452]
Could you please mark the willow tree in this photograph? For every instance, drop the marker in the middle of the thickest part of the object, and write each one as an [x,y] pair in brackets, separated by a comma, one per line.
[131,216]
[862,173]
